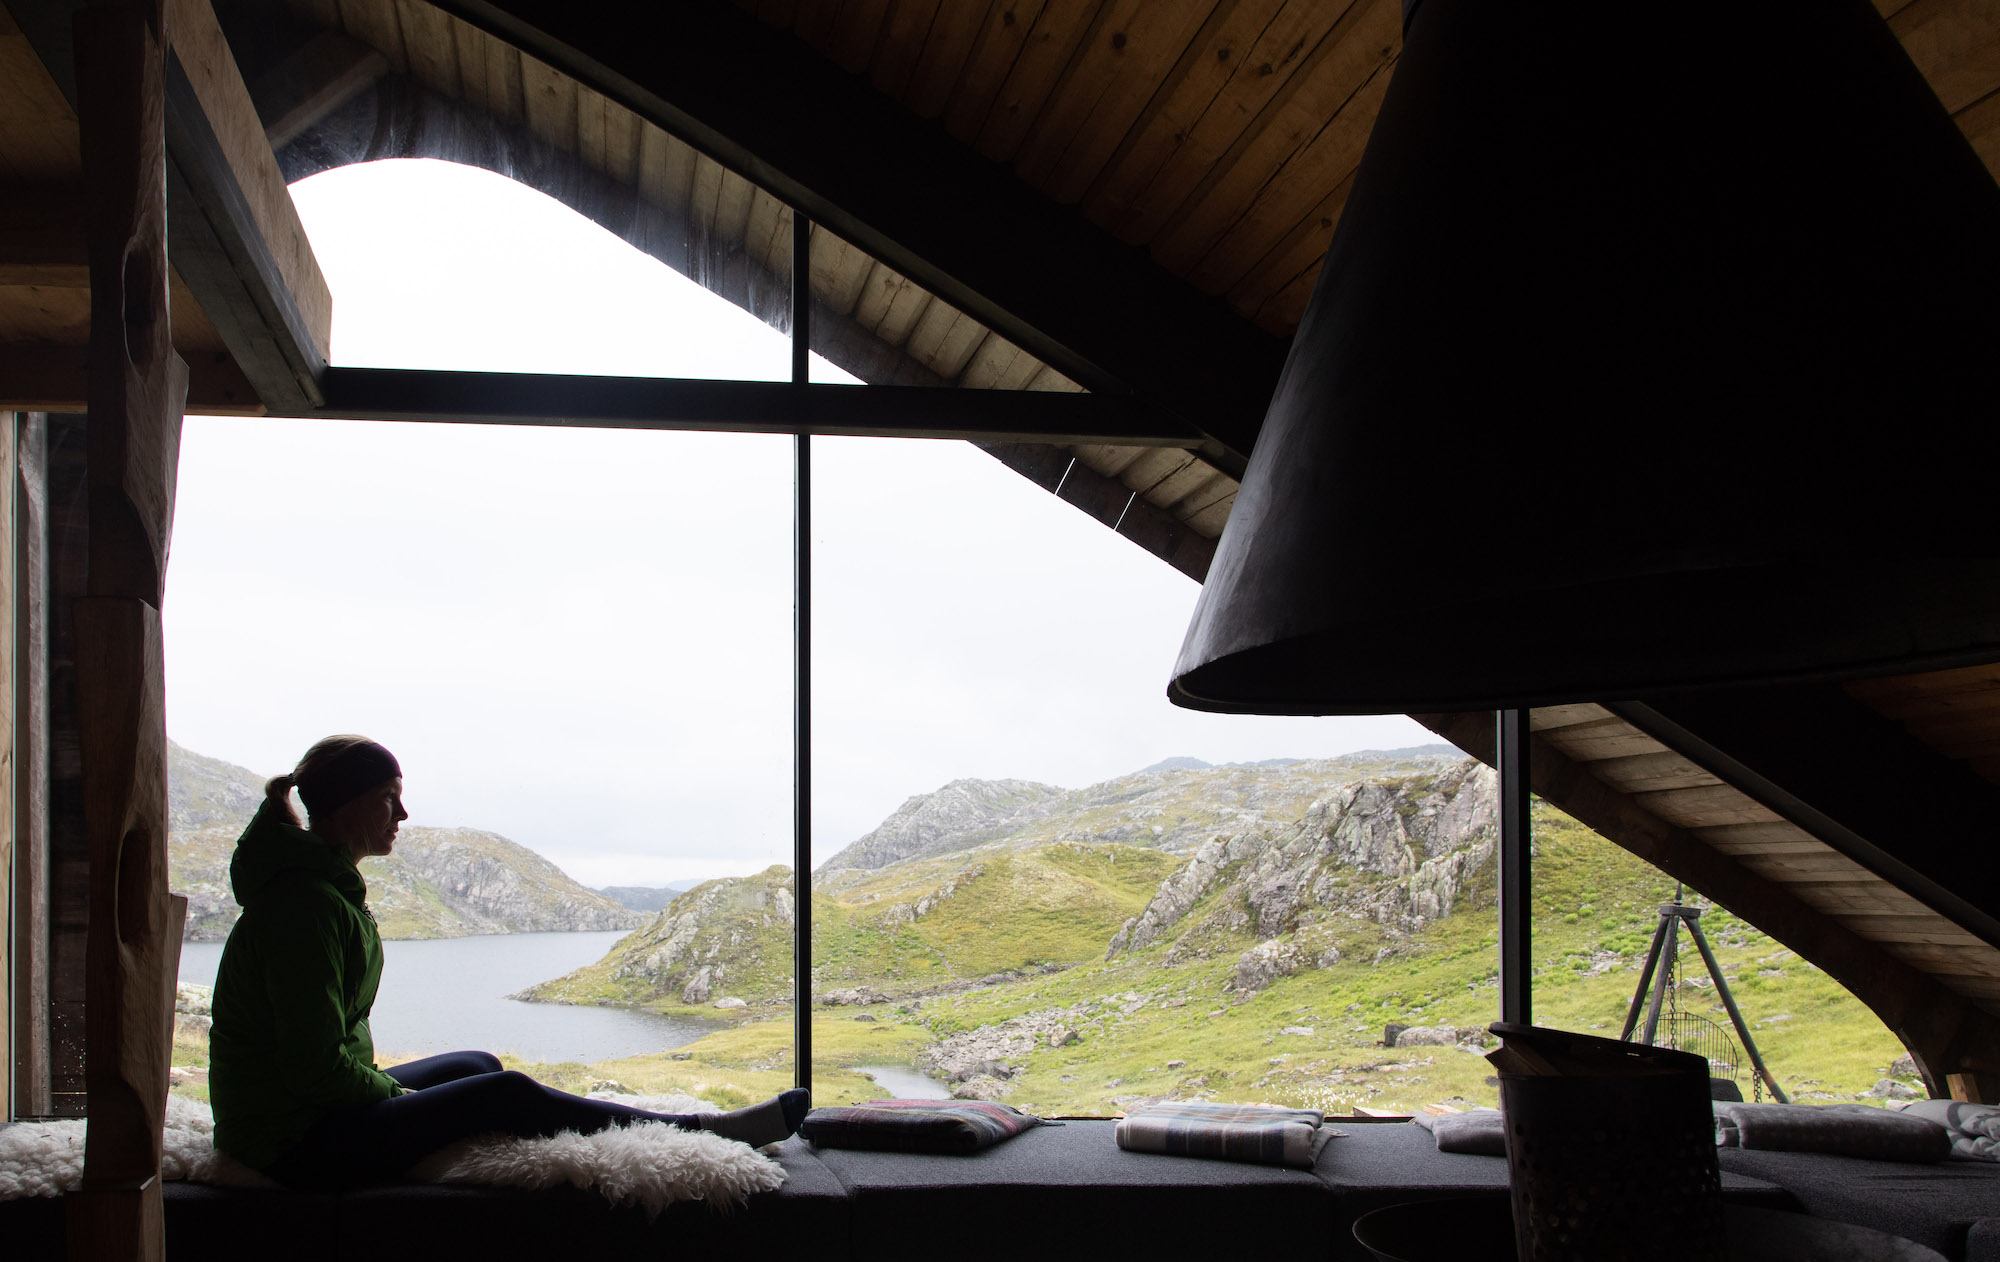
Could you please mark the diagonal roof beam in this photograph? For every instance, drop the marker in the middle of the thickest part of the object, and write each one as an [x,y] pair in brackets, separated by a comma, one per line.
[1946,1032]
[766,105]
[1796,750]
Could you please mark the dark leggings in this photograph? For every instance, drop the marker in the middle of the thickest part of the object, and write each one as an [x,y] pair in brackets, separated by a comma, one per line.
[452,1097]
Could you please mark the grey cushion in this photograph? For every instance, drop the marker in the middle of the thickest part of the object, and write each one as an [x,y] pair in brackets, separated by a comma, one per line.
[1933,1204]
[1071,1189]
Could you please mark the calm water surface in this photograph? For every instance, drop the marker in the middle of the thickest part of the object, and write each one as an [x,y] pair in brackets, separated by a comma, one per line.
[444,995]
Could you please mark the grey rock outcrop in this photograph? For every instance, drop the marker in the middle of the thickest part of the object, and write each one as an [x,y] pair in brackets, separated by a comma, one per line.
[963,814]
[723,944]
[1173,806]
[1265,963]
[1397,852]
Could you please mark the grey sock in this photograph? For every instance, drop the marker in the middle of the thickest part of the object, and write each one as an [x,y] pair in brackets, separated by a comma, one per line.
[759,1124]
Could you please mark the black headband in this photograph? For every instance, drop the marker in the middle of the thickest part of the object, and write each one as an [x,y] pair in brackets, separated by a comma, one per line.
[347,776]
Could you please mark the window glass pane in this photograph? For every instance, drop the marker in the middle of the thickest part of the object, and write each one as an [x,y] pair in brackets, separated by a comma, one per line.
[1030,883]
[1597,907]
[436,265]
[577,642]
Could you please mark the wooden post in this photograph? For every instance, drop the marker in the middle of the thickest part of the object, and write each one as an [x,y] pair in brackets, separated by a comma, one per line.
[137,389]
[9,841]
[30,627]
[1974,1088]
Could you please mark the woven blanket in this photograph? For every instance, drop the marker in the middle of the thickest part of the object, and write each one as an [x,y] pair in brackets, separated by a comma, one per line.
[952,1127]
[1477,1132]
[650,1166]
[1228,1132]
[1849,1130]
[1974,1128]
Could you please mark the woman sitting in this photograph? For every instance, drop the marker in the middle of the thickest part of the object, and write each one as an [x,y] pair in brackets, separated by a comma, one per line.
[292,1065]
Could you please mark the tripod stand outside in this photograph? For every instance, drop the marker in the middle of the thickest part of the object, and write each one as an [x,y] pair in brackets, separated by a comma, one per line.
[1661,962]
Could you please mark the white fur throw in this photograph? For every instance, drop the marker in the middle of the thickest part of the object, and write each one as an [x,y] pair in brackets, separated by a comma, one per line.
[651,1165]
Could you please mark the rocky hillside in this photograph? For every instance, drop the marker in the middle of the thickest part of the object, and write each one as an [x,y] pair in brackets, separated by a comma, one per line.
[1394,853]
[440,882]
[1175,805]
[726,942]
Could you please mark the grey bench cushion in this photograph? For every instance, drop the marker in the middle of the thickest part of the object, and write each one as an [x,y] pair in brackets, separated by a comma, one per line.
[1934,1204]
[1381,1164]
[1070,1191]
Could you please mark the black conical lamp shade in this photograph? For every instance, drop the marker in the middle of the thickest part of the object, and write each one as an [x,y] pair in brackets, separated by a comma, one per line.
[1658,348]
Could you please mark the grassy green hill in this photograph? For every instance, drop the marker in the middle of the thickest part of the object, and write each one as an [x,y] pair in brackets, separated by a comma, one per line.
[998,954]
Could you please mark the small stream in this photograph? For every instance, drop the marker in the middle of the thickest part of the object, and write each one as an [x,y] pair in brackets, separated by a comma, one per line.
[905,1083]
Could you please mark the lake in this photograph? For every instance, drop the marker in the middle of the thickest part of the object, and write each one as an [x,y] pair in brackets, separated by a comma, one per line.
[451,993]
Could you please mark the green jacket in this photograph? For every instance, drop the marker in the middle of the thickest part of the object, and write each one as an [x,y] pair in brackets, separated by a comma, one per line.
[290,1041]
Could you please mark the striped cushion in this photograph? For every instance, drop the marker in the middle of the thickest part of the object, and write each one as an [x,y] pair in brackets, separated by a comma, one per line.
[937,1126]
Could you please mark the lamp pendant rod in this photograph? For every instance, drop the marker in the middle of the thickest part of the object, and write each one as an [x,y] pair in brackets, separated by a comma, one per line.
[1511,764]
[801,666]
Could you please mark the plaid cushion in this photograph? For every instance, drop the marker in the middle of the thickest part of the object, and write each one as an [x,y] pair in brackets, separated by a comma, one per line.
[1229,1132]
[1202,1111]
[939,1126]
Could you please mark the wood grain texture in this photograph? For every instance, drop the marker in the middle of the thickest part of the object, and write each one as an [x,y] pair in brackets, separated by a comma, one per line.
[953,32]
[995,48]
[1946,1031]
[1117,72]
[1304,134]
[900,46]
[1047,57]
[38,141]
[30,907]
[205,56]
[1106,181]
[137,385]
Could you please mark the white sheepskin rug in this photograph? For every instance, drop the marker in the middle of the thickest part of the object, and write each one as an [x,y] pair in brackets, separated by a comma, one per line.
[650,1166]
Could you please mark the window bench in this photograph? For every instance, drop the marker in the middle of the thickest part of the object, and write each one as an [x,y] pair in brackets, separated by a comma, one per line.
[1051,1192]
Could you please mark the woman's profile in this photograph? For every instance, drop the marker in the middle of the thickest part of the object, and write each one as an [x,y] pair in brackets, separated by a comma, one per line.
[292,1077]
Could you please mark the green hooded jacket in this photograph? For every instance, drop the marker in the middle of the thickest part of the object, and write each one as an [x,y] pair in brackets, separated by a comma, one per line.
[290,1040]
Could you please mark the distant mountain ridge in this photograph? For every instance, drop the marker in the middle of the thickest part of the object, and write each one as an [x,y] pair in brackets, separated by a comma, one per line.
[440,882]
[647,898]
[1174,808]
[1292,866]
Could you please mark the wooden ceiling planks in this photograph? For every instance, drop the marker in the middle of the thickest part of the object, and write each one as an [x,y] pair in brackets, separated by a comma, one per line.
[1677,791]
[1955,712]
[1223,134]
[954,32]
[44,272]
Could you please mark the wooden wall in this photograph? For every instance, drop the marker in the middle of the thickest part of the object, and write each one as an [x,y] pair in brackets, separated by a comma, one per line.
[68,861]
[29,1000]
[9,423]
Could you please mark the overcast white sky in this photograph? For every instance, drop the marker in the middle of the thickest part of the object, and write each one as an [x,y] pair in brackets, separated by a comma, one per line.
[582,638]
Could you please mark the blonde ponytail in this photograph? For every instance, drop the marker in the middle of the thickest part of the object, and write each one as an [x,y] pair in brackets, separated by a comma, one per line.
[278,793]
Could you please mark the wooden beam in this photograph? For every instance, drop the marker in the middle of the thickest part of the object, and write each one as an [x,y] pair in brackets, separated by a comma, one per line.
[29,620]
[313,81]
[51,379]
[398,394]
[1796,751]
[136,388]
[236,237]
[1943,1030]
[966,229]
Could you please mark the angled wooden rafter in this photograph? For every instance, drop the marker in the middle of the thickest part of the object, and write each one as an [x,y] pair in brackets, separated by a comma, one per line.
[1955,1042]
[236,239]
[962,227]
[1795,750]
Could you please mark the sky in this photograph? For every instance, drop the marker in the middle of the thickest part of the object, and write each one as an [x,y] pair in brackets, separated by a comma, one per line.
[581,639]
